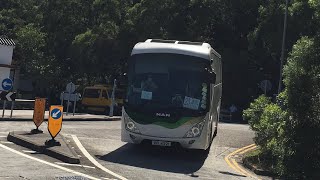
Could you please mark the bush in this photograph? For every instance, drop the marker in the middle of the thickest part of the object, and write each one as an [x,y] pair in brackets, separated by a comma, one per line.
[267,120]
[288,132]
[302,131]
[254,112]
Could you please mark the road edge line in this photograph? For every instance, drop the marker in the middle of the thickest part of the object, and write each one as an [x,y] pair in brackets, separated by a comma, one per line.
[249,149]
[92,160]
[235,165]
[240,169]
[48,163]
[226,158]
[232,166]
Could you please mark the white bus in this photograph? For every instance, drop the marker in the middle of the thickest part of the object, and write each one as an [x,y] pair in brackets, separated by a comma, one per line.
[174,94]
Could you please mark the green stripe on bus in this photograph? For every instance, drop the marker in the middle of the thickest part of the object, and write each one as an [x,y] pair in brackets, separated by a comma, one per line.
[164,122]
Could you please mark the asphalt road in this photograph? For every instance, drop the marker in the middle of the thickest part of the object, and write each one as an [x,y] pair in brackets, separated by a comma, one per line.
[101,139]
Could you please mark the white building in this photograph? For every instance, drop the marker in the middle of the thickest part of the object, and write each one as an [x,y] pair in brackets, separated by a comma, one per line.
[6,51]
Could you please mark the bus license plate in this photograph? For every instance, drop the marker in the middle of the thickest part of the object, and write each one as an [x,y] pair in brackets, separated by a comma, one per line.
[161,143]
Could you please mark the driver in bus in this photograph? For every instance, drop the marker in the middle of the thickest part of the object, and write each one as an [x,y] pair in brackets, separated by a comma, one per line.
[147,85]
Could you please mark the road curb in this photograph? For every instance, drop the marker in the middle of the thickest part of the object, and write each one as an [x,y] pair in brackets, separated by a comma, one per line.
[254,169]
[69,146]
[65,119]
[17,139]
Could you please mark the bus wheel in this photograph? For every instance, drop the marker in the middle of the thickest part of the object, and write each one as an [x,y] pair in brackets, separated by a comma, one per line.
[205,152]
[216,129]
[210,136]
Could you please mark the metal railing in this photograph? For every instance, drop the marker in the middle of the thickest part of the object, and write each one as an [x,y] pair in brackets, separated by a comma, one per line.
[12,105]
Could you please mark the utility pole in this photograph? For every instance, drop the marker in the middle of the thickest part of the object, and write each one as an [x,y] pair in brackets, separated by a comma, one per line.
[283,46]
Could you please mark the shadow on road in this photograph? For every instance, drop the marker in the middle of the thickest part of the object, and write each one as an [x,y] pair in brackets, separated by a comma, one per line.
[232,174]
[239,121]
[176,160]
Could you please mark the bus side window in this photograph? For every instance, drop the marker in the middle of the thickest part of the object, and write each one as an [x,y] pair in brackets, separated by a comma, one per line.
[105,94]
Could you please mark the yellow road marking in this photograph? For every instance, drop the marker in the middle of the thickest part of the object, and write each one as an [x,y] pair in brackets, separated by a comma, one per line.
[241,149]
[242,170]
[231,165]
[249,149]
[231,154]
[235,166]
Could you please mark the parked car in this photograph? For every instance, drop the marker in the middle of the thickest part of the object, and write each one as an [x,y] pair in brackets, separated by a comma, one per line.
[98,99]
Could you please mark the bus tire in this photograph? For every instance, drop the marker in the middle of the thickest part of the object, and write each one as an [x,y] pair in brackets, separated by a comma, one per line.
[204,152]
[210,138]
[216,128]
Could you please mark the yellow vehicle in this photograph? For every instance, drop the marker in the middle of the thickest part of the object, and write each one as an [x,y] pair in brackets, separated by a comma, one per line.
[98,99]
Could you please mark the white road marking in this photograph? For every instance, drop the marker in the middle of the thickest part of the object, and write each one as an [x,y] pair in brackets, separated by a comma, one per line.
[48,163]
[6,142]
[78,165]
[3,136]
[28,151]
[96,163]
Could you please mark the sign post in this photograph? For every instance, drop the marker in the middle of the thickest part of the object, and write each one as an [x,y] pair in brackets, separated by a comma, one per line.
[7,84]
[112,98]
[38,114]
[54,124]
[70,89]
[4,108]
[70,98]
[7,96]
[74,106]
[12,105]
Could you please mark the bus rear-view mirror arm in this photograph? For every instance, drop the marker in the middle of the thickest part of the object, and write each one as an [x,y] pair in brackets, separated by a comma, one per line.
[212,78]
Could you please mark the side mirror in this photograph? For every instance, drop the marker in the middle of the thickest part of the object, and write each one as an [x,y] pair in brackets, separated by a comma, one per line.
[210,75]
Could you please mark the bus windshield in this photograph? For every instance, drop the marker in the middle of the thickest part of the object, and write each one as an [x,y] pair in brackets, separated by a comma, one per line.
[168,83]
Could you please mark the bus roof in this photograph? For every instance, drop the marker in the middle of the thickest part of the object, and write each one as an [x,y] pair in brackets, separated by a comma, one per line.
[197,49]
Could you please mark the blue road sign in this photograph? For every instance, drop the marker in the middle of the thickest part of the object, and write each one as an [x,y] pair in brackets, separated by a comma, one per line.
[7,84]
[56,113]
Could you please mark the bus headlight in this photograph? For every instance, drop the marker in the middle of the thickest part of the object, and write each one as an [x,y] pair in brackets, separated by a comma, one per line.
[195,131]
[129,124]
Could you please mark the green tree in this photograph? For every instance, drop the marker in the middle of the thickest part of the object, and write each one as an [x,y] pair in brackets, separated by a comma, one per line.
[294,143]
[30,45]
[303,129]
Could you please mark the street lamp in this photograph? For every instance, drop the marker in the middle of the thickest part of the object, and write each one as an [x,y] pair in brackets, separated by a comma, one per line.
[283,46]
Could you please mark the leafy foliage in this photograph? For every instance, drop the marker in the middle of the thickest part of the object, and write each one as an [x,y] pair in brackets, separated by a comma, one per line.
[92,39]
[288,132]
[302,82]
[267,120]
